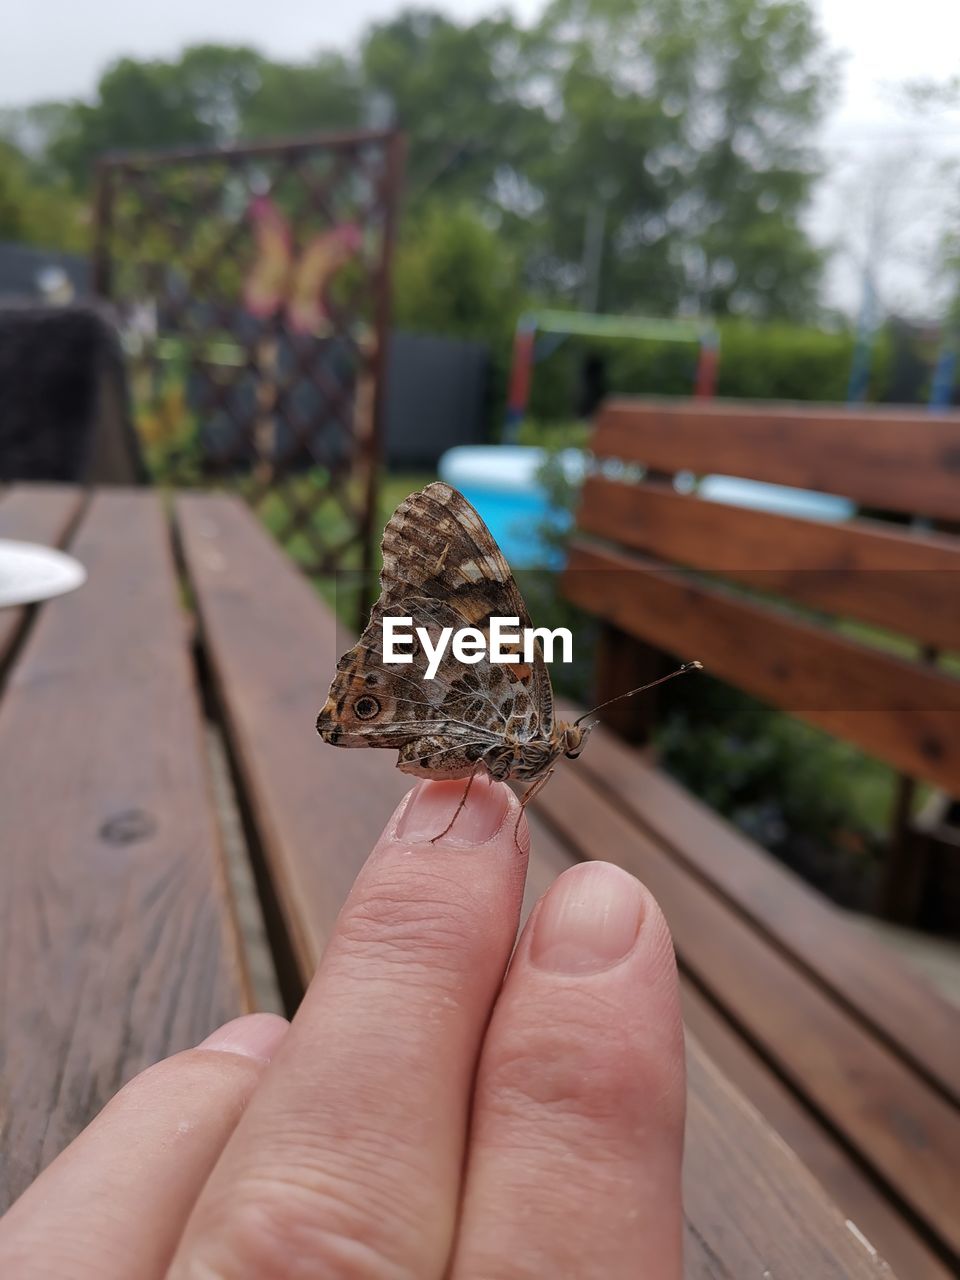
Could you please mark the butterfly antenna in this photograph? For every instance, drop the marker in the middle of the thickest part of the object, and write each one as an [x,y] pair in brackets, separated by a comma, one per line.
[680,671]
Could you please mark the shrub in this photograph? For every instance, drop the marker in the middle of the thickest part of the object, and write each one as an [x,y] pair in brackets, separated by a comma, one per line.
[775,361]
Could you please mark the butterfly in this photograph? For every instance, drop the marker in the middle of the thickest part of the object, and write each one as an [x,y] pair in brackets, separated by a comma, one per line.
[280,280]
[442,568]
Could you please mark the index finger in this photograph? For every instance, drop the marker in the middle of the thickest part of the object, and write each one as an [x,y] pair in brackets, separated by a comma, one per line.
[350,1155]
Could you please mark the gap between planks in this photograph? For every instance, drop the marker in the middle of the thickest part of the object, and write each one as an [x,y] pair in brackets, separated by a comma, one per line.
[241,879]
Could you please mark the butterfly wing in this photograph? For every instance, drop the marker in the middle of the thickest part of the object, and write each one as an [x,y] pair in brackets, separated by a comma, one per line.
[266,286]
[320,261]
[437,545]
[441,568]
[441,726]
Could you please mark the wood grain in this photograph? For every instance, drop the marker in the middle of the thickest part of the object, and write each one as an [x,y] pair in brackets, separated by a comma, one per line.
[905,1130]
[860,971]
[904,713]
[33,513]
[118,945]
[738,1192]
[903,580]
[842,1178]
[897,459]
[272,647]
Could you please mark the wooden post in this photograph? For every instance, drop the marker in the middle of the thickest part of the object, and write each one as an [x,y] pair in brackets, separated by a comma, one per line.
[905,868]
[624,663]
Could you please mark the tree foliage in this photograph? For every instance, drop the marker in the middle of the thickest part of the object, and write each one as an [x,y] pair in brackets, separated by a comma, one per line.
[678,127]
[36,210]
[454,275]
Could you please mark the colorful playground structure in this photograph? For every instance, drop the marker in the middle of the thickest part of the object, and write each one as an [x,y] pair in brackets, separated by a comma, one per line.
[586,324]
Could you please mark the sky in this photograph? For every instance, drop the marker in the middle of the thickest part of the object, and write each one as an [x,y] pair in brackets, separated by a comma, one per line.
[887,167]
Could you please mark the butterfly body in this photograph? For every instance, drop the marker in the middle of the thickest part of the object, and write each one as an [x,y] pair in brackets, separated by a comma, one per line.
[443,569]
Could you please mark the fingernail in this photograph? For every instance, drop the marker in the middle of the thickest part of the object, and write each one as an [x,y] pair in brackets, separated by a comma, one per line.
[255,1036]
[433,805]
[588,921]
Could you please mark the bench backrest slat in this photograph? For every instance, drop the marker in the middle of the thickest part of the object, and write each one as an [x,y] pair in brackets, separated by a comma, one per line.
[894,459]
[892,700]
[902,580]
[906,714]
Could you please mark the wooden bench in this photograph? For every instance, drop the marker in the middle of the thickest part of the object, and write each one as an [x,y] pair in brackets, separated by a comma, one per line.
[822,1120]
[812,1018]
[901,581]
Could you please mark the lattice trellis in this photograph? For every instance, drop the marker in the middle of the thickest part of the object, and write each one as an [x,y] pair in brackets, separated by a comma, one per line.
[252,284]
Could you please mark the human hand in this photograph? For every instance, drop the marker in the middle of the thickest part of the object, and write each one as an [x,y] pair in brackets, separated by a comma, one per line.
[423,1116]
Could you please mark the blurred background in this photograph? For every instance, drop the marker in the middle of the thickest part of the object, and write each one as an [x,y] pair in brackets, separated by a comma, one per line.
[786,168]
[743,198]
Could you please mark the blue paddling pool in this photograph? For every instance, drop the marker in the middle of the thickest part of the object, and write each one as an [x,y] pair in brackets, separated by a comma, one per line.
[503,483]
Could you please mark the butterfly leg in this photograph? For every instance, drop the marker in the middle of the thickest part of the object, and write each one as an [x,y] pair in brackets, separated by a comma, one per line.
[457,811]
[537,785]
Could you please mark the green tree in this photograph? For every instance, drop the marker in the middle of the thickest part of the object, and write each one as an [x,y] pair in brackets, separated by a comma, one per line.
[457,91]
[455,276]
[686,123]
[672,134]
[199,98]
[678,129]
[326,93]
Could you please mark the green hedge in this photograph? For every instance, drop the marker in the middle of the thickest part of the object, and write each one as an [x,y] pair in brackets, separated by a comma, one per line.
[774,361]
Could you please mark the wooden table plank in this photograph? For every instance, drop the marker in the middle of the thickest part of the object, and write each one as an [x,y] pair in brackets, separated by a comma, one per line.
[752,1211]
[843,1178]
[906,1130]
[860,971]
[118,945]
[41,513]
[272,646]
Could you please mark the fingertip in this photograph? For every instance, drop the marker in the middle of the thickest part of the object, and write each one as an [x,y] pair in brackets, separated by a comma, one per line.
[464,813]
[255,1035]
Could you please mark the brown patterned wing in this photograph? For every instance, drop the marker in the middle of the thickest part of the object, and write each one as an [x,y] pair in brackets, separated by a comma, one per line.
[437,546]
[441,727]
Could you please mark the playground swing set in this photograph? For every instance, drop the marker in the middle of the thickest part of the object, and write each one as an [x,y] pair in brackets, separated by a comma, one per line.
[539,333]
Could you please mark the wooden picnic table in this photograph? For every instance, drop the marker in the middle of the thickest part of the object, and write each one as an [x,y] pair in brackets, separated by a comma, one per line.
[120,936]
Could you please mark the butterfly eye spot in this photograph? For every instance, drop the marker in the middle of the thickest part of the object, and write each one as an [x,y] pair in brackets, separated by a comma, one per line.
[370,678]
[366,708]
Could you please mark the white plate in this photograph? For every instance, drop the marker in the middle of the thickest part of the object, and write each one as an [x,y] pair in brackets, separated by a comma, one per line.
[29,572]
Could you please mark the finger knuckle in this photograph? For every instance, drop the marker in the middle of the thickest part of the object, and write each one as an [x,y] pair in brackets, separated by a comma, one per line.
[584,1072]
[191,1074]
[289,1232]
[413,920]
